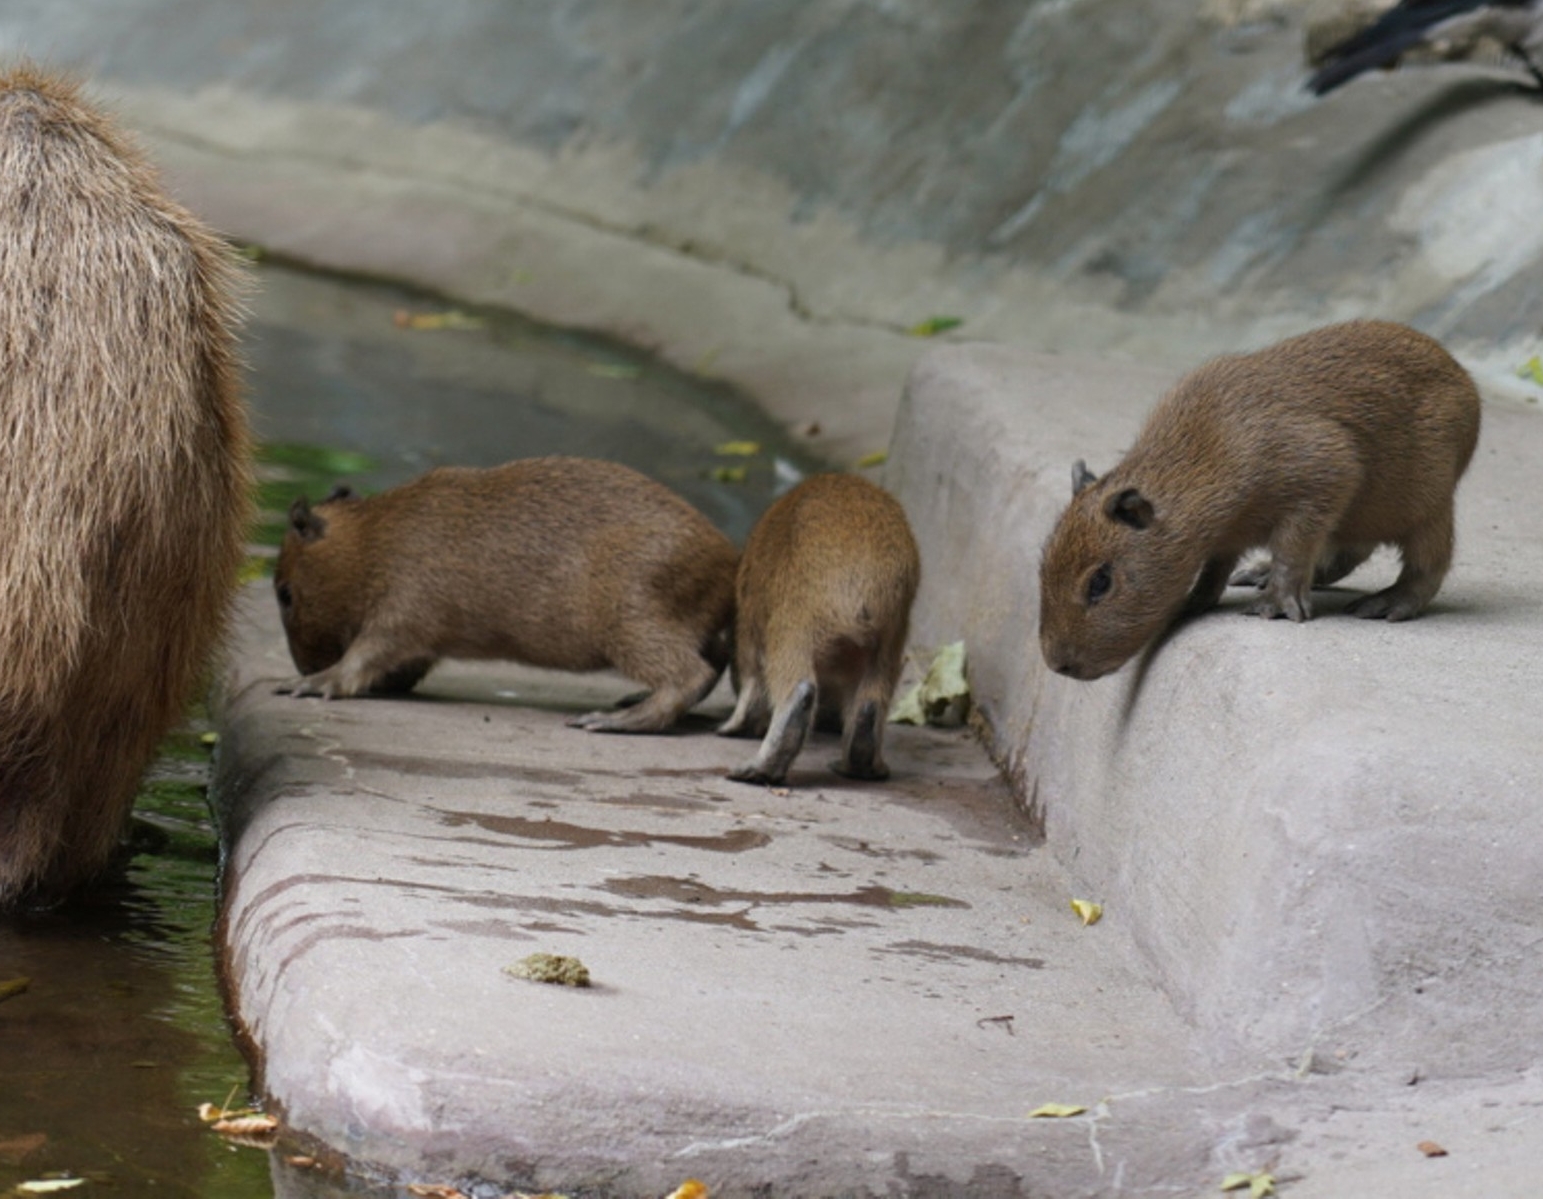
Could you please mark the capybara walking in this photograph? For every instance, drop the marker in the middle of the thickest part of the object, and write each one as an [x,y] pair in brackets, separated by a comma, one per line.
[1320,448]
[567,563]
[124,476]
[824,591]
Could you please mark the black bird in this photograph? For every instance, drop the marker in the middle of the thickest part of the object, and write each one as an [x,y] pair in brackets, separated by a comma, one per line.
[1516,24]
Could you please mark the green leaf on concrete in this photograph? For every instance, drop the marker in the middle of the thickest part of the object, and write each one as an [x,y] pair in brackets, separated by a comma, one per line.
[934,325]
[551,968]
[1056,1111]
[1090,912]
[943,695]
[1532,369]
[877,458]
[727,474]
[1259,1185]
[738,449]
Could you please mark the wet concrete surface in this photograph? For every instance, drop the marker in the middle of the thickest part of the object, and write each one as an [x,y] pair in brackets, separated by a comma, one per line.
[828,988]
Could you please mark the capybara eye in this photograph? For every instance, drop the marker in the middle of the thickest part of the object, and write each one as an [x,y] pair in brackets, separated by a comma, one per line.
[1099,583]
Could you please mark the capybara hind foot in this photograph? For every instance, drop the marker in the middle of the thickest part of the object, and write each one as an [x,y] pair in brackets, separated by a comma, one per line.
[861,760]
[789,727]
[1394,603]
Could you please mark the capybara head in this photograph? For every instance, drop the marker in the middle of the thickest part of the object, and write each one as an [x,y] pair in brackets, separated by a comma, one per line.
[318,587]
[1112,577]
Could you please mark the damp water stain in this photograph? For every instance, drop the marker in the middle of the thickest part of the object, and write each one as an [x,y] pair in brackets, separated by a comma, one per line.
[559,834]
[958,954]
[690,891]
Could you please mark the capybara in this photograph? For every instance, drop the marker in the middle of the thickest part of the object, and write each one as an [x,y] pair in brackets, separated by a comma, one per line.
[124,477]
[568,563]
[824,591]
[1319,448]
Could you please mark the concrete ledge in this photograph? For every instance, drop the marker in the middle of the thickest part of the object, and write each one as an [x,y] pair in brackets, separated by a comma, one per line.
[836,989]
[1319,835]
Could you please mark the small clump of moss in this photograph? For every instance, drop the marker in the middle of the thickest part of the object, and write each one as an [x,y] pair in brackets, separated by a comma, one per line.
[551,968]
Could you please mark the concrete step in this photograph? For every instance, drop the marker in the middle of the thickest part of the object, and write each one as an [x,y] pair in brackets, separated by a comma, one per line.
[1319,835]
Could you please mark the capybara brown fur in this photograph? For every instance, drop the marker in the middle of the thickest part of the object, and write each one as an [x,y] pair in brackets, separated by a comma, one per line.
[1320,448]
[124,477]
[824,593]
[566,563]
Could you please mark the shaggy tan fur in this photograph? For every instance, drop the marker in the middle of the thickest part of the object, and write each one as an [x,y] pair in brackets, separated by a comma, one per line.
[124,476]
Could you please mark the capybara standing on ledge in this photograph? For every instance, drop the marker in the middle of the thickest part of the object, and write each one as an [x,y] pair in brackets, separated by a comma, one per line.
[567,563]
[124,477]
[1320,448]
[824,595]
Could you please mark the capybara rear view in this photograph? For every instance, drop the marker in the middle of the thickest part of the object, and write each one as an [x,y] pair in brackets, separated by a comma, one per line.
[824,594]
[123,477]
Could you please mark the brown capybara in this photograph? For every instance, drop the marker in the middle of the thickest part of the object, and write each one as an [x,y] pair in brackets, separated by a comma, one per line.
[1319,448]
[567,563]
[124,477]
[824,596]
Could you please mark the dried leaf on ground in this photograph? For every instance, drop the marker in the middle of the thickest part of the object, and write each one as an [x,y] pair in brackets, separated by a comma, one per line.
[1259,1185]
[247,1127]
[1090,912]
[690,1189]
[551,968]
[12,987]
[1056,1111]
[943,695]
[1431,1149]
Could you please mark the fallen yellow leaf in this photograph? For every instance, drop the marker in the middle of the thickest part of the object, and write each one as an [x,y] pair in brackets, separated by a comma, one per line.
[1090,912]
[727,474]
[934,325]
[403,319]
[738,449]
[877,458]
[690,1189]
[1056,1111]
[1259,1185]
[12,987]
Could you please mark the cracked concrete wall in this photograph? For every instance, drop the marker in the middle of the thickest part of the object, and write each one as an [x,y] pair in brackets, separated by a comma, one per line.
[1141,177]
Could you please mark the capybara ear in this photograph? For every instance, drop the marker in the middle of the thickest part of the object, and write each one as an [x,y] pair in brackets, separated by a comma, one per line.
[308,525]
[1130,507]
[342,491]
[1081,476]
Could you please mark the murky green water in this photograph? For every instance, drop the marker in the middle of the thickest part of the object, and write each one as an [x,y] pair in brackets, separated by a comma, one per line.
[120,1034]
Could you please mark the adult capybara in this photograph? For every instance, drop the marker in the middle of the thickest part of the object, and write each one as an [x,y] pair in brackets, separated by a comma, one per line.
[824,591]
[124,476]
[1320,448]
[567,563]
